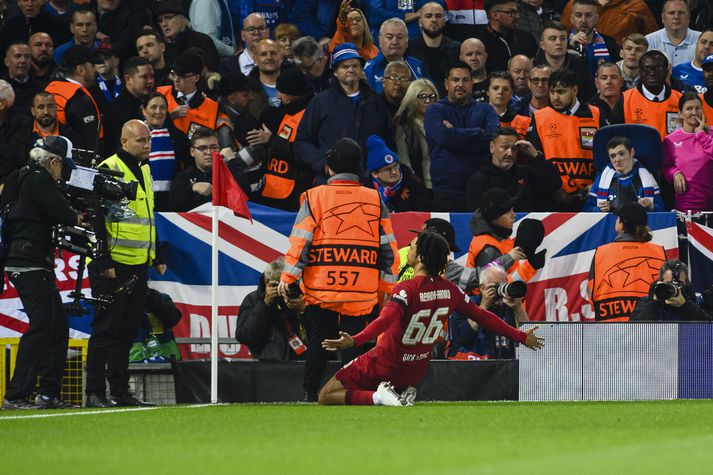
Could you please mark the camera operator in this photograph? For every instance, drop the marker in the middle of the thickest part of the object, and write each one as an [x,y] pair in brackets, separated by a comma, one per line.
[122,274]
[468,340]
[270,324]
[671,297]
[32,204]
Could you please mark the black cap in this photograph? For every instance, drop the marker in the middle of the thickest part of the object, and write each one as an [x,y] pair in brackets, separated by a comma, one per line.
[76,55]
[169,6]
[495,202]
[188,63]
[291,81]
[234,81]
[105,48]
[58,145]
[444,228]
[530,233]
[632,215]
[345,157]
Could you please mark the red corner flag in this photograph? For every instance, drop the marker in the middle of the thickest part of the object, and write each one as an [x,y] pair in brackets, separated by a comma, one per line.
[226,191]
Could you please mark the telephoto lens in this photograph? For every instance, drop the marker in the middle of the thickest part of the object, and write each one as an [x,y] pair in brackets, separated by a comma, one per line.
[665,290]
[515,290]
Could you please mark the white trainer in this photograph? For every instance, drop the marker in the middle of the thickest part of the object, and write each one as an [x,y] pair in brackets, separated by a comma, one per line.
[408,396]
[387,396]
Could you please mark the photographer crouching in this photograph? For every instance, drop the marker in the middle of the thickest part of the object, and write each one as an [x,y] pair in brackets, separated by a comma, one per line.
[270,324]
[467,340]
[121,275]
[32,204]
[671,297]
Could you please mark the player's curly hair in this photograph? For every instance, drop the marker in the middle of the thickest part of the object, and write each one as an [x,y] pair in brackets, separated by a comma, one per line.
[433,250]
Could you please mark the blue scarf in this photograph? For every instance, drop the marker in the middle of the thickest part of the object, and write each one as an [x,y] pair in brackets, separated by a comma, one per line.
[388,192]
[597,51]
[110,96]
[162,159]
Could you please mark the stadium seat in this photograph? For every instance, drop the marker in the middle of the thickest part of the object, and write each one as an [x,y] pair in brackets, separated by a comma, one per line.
[645,140]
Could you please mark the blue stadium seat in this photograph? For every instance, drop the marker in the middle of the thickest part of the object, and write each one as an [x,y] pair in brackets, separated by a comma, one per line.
[645,140]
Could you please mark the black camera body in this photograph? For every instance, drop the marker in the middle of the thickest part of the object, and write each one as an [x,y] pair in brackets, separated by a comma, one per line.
[667,290]
[294,291]
[516,289]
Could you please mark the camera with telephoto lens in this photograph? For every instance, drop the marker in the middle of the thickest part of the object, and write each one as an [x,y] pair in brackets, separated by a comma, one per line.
[294,291]
[667,290]
[514,290]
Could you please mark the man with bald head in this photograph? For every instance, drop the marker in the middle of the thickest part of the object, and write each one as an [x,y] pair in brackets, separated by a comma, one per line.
[131,249]
[268,60]
[472,53]
[519,68]
[254,30]
[435,50]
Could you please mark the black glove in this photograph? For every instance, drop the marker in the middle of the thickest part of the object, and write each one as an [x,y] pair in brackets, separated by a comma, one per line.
[537,260]
[530,234]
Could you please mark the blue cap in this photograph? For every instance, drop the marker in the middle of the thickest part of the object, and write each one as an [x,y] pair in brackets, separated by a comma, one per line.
[379,155]
[60,146]
[345,51]
[708,60]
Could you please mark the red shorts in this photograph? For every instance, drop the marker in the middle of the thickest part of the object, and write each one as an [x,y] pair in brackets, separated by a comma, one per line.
[367,372]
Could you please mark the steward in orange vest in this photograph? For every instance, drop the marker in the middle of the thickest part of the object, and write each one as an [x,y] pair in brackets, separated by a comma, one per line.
[343,247]
[492,226]
[564,133]
[707,101]
[623,271]
[286,177]
[652,102]
[518,122]
[75,105]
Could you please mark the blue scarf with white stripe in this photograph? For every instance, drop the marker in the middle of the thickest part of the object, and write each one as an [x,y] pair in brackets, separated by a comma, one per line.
[162,159]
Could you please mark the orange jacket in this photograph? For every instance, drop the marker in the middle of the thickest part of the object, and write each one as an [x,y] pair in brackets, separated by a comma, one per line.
[205,115]
[519,270]
[621,273]
[520,123]
[707,110]
[343,246]
[63,91]
[619,18]
[567,141]
[280,174]
[663,116]
[368,52]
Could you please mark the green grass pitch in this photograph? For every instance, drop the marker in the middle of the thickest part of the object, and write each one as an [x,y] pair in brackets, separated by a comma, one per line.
[670,437]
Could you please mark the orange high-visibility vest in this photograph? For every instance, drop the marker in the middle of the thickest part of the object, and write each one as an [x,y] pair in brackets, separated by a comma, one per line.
[280,174]
[63,91]
[663,116]
[519,270]
[623,273]
[707,110]
[567,141]
[205,115]
[520,123]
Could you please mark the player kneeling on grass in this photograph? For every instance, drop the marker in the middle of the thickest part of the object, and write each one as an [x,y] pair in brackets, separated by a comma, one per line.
[411,323]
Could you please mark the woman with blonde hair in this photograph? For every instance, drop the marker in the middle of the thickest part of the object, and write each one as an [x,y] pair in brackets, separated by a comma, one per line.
[352,27]
[410,137]
[285,34]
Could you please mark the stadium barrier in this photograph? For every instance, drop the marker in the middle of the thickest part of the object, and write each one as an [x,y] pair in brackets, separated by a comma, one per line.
[618,362]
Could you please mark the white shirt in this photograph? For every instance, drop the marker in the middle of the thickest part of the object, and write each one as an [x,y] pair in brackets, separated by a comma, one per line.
[685,52]
[187,96]
[650,95]
[246,62]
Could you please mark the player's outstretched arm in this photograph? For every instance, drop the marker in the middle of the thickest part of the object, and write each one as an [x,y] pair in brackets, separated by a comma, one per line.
[345,341]
[533,341]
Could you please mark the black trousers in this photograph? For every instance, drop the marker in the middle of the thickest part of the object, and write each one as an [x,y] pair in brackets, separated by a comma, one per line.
[324,324]
[114,329]
[43,347]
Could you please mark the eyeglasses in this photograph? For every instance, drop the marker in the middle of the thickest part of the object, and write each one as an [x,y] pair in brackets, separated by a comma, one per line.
[307,68]
[251,30]
[539,80]
[207,148]
[427,97]
[512,12]
[398,79]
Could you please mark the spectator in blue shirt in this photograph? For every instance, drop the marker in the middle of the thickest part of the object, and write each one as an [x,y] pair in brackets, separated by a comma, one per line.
[393,42]
[458,133]
[84,32]
[378,11]
[691,74]
[315,18]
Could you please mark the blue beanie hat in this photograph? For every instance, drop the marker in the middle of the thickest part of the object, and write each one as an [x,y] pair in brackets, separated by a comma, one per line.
[345,51]
[379,154]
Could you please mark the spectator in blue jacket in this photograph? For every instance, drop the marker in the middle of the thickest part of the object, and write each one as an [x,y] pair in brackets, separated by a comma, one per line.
[393,42]
[316,18]
[458,131]
[348,108]
[378,11]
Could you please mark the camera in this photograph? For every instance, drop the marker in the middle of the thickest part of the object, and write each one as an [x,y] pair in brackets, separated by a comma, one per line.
[294,291]
[514,290]
[667,290]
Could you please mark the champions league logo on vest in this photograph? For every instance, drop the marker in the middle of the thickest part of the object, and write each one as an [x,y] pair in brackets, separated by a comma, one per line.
[639,113]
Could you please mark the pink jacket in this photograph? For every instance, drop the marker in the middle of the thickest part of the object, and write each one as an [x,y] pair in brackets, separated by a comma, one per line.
[692,155]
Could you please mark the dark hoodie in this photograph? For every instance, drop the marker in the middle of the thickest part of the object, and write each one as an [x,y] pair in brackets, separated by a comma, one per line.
[479,225]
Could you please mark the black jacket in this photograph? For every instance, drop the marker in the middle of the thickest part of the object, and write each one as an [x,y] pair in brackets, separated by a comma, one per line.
[120,26]
[24,94]
[182,197]
[189,38]
[124,108]
[19,29]
[529,183]
[15,143]
[266,329]
[435,60]
[412,196]
[83,117]
[649,310]
[36,205]
[503,46]
[574,62]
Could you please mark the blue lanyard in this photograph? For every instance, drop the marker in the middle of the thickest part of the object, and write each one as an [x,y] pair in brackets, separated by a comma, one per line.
[110,96]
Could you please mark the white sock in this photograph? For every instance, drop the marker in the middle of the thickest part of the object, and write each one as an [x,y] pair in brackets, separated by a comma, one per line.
[375,397]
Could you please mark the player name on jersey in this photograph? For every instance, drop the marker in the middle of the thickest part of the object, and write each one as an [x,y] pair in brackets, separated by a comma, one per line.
[434,295]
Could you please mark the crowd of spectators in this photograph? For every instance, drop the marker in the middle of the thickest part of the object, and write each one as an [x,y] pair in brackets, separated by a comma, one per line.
[450,104]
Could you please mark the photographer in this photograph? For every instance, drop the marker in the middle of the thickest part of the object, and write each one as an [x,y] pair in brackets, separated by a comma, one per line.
[671,297]
[269,324]
[468,340]
[32,204]
[122,274]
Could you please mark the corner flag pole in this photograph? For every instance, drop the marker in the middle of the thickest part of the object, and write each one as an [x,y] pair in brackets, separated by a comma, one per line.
[214,308]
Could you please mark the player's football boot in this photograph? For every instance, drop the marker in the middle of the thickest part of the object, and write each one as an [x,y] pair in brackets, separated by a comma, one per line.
[387,395]
[408,396]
